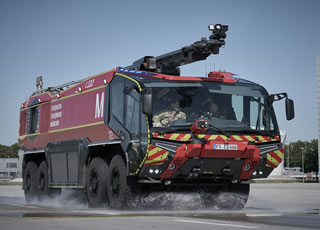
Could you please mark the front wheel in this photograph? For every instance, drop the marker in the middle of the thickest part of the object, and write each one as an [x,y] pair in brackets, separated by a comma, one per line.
[30,182]
[42,180]
[97,183]
[118,190]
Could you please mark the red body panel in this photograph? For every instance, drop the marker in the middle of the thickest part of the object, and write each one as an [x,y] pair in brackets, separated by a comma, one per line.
[249,153]
[77,112]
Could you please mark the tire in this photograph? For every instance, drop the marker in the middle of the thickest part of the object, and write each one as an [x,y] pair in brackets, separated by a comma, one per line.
[118,189]
[43,181]
[30,182]
[235,198]
[97,183]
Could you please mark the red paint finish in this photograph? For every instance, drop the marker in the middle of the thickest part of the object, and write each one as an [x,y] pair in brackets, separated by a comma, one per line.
[179,159]
[78,112]
[194,150]
[253,154]
[222,77]
[209,151]
[249,153]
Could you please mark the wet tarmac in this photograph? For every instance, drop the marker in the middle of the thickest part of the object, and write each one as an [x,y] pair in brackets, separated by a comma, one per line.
[270,206]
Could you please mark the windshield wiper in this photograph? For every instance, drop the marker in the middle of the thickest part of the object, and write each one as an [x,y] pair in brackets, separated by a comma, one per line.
[218,130]
[173,129]
[255,132]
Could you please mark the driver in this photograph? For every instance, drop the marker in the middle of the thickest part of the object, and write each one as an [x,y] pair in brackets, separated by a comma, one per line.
[221,112]
[164,119]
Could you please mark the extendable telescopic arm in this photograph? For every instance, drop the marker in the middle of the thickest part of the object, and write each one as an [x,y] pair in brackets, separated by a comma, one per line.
[169,63]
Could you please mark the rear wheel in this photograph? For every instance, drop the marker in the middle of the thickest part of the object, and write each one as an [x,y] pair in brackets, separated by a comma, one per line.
[97,183]
[43,183]
[30,182]
[235,198]
[118,190]
[42,180]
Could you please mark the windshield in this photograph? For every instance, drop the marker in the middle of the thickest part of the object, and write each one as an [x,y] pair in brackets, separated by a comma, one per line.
[228,107]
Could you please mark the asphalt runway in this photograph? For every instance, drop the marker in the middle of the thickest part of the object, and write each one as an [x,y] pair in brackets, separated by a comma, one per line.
[270,206]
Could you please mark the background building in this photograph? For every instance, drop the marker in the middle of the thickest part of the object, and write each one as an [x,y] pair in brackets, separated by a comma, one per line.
[9,167]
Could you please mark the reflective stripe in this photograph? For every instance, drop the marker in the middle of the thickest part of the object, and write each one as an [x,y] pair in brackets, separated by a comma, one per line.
[274,158]
[238,138]
[188,137]
[156,156]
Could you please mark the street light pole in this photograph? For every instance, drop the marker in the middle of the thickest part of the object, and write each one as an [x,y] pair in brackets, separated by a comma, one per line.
[288,159]
[302,156]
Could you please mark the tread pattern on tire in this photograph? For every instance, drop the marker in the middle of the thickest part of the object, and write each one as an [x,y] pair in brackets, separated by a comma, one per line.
[30,182]
[97,196]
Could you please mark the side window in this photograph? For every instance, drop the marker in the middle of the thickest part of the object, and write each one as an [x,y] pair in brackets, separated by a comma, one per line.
[132,110]
[33,120]
[117,100]
[23,122]
[254,114]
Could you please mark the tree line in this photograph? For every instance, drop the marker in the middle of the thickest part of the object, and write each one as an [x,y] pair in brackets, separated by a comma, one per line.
[294,150]
[302,150]
[9,151]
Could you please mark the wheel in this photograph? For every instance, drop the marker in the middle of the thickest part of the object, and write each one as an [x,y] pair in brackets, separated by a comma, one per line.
[30,182]
[42,180]
[235,198]
[97,183]
[118,190]
[43,183]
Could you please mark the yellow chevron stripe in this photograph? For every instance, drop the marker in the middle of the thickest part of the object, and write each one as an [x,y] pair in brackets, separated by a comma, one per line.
[174,136]
[154,151]
[250,138]
[161,136]
[160,158]
[238,138]
[273,160]
[186,137]
[261,139]
[224,137]
[149,162]
[212,137]
[279,153]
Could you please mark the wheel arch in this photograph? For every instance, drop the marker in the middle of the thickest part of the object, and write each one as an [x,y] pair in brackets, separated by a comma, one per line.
[35,156]
[106,152]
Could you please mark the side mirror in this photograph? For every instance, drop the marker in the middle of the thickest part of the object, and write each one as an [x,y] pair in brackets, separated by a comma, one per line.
[289,103]
[147,101]
[289,109]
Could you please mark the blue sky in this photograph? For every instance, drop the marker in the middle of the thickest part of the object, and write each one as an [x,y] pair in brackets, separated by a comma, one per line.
[274,43]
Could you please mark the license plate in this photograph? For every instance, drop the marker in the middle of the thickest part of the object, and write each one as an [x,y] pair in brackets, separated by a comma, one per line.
[225,147]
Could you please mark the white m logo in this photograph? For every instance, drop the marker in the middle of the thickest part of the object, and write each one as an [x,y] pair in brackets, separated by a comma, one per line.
[99,106]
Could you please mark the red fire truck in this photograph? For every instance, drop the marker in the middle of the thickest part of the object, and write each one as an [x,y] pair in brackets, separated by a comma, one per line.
[144,128]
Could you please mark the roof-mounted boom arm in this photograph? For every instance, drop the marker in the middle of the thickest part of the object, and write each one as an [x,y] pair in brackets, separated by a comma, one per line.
[169,63]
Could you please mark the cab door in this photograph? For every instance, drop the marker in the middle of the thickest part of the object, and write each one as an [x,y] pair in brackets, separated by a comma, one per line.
[124,117]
